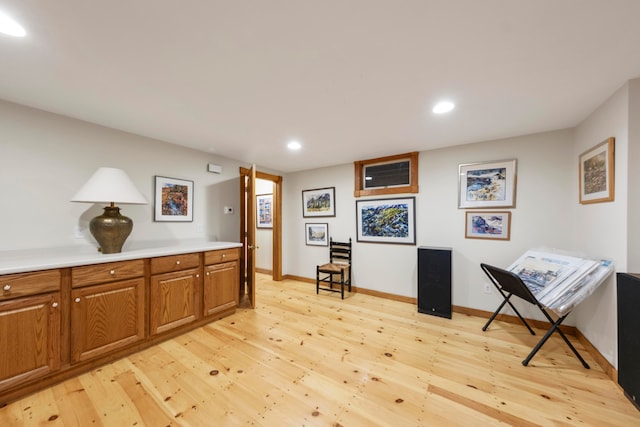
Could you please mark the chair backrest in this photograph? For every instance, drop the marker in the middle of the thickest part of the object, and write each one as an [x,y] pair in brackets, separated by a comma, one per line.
[340,252]
[510,282]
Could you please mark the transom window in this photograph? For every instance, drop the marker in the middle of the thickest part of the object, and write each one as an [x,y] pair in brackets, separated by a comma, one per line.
[387,175]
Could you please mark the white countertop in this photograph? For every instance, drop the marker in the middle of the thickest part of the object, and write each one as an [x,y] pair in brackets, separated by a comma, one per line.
[21,261]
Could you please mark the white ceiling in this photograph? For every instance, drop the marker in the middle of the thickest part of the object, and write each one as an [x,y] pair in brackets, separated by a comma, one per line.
[350,79]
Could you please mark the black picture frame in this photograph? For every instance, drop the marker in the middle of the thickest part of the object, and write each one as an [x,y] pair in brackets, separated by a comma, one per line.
[319,202]
[390,220]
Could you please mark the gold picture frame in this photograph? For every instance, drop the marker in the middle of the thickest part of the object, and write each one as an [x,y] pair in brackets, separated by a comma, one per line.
[596,173]
[489,225]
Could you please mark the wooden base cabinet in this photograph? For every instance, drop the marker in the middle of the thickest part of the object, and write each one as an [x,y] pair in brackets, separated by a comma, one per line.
[107,308]
[221,281]
[173,300]
[220,288]
[62,322]
[174,290]
[30,339]
[105,318]
[30,327]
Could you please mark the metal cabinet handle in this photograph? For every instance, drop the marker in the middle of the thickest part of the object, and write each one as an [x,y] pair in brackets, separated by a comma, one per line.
[54,305]
[7,287]
[197,275]
[224,255]
[178,262]
[112,272]
[77,300]
[207,273]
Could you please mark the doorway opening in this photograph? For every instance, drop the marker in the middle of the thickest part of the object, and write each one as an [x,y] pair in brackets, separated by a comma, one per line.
[250,181]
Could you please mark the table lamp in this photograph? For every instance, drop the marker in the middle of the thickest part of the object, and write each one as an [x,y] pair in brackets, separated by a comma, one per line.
[110,185]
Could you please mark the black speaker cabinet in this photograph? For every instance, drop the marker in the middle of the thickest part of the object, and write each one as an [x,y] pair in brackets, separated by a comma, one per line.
[434,281]
[629,335]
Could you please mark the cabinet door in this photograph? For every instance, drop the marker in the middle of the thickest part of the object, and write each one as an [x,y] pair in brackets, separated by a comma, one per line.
[106,318]
[220,287]
[30,338]
[173,300]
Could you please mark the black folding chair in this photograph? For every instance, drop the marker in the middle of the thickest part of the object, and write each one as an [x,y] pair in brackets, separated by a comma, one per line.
[508,284]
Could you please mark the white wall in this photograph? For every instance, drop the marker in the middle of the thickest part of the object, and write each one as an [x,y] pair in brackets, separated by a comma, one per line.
[545,182]
[633,178]
[601,228]
[297,258]
[46,158]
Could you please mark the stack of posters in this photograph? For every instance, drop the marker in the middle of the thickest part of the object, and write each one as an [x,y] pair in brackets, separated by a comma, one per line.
[558,280]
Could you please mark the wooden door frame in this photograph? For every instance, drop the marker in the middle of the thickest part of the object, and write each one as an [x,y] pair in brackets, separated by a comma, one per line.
[276,238]
[277,220]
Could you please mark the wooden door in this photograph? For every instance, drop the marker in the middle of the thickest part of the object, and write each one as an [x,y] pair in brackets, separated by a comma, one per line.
[173,300]
[106,318]
[248,235]
[30,338]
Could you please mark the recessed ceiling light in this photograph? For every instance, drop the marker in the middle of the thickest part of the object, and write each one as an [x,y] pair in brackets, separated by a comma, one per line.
[443,107]
[10,27]
[294,145]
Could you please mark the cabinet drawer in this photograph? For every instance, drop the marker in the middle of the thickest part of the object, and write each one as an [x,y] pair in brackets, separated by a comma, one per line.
[166,264]
[102,273]
[18,285]
[222,255]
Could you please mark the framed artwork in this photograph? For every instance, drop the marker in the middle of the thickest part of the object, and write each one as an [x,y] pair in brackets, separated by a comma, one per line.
[316,234]
[487,184]
[264,206]
[488,225]
[386,221]
[173,200]
[596,173]
[319,202]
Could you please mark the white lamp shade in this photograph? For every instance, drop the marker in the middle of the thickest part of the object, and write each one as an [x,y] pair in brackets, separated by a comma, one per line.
[108,185]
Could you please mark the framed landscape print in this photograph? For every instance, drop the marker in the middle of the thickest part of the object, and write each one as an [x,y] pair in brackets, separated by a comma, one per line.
[173,200]
[596,173]
[319,202]
[487,184]
[386,221]
[488,225]
[316,234]
[264,206]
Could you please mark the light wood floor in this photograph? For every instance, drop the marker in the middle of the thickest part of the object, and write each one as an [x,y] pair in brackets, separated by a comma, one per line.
[304,360]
